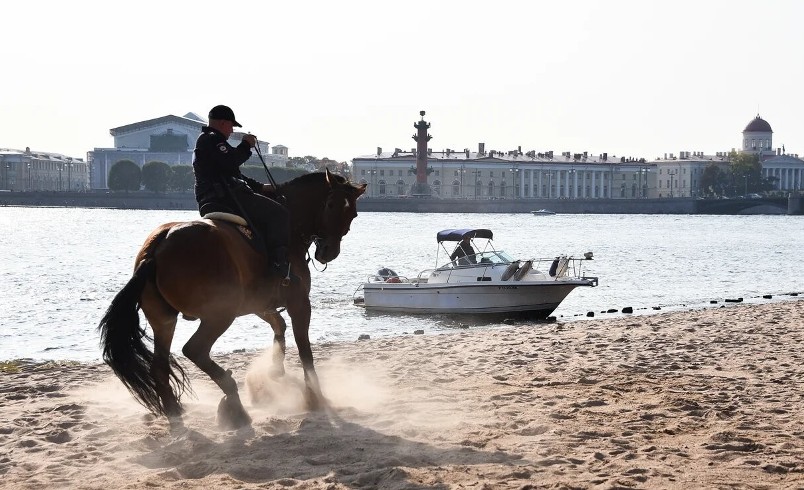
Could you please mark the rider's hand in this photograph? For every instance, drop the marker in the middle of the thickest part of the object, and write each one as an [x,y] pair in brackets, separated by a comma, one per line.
[268,189]
[250,139]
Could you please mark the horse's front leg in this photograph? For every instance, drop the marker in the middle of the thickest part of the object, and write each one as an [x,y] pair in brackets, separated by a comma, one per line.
[299,311]
[279,327]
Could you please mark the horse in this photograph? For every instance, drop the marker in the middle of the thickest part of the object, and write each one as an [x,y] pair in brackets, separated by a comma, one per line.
[211,270]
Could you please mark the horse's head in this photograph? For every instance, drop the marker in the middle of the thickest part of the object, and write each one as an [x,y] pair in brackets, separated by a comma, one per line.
[340,209]
[322,207]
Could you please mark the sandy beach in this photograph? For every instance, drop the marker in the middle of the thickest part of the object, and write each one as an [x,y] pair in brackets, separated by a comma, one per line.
[699,399]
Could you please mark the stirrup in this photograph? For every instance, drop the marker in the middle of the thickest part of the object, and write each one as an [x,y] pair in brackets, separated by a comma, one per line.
[285,282]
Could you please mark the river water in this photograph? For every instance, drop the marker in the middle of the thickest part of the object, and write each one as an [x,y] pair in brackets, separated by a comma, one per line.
[60,267]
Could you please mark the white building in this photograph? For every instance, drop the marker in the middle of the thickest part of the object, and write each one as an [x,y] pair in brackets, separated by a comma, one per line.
[511,174]
[679,175]
[169,139]
[505,175]
[787,170]
[32,170]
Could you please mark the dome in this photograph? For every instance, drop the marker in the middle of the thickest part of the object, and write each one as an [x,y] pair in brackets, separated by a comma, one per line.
[758,125]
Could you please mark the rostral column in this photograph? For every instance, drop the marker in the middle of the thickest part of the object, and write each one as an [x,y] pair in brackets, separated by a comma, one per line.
[421,187]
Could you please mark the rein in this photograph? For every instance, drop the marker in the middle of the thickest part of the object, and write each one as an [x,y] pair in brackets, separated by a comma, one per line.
[268,172]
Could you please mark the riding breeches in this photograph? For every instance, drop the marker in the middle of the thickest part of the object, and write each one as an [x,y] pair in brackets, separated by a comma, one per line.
[270,217]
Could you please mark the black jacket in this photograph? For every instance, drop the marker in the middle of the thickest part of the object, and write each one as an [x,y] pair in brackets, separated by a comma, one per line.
[216,165]
[464,253]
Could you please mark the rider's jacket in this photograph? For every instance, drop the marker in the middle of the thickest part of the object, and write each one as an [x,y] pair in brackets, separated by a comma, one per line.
[216,165]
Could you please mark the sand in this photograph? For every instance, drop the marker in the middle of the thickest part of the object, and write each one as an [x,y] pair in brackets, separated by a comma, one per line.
[698,399]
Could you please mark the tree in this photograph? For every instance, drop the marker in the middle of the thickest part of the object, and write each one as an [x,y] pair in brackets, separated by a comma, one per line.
[181,179]
[713,180]
[746,172]
[155,176]
[301,161]
[125,175]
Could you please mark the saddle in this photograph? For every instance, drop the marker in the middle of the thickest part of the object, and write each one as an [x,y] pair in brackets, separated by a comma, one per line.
[238,221]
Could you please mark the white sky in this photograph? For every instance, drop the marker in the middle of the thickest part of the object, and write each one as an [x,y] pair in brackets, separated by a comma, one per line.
[339,78]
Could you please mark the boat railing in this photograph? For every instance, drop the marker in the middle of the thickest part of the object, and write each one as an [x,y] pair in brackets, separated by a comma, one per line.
[561,267]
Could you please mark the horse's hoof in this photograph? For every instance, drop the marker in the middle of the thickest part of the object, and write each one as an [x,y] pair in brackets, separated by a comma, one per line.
[176,424]
[314,401]
[231,414]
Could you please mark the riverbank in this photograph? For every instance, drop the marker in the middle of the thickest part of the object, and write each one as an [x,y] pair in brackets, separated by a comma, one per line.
[169,201]
[698,399]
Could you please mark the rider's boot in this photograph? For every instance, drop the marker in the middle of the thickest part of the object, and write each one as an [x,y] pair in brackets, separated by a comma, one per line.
[282,265]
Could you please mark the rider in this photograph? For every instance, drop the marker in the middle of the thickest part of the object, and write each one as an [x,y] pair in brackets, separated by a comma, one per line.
[220,186]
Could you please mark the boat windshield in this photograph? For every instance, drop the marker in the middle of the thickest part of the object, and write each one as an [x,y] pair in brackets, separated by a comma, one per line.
[489,257]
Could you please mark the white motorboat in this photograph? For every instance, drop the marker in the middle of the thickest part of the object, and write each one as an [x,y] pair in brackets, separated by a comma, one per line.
[543,212]
[488,282]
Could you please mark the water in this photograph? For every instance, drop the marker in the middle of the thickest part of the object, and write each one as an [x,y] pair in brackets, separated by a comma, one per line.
[60,267]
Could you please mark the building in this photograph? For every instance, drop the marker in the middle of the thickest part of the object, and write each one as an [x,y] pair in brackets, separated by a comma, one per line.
[680,175]
[513,174]
[787,171]
[169,139]
[32,170]
[492,174]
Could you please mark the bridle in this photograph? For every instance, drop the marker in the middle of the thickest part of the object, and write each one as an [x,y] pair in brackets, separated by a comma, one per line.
[315,238]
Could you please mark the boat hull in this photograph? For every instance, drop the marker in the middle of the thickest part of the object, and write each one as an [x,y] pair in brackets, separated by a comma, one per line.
[534,300]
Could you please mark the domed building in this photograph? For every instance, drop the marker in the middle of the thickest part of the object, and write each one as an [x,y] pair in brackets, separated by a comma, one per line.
[787,171]
[758,137]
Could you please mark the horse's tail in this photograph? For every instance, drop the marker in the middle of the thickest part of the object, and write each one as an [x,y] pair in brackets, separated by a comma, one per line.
[124,349]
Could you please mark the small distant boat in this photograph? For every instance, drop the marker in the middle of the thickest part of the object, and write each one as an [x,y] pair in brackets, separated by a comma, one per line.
[543,212]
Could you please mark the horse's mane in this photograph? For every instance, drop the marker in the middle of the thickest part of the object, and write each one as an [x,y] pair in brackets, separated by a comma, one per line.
[312,178]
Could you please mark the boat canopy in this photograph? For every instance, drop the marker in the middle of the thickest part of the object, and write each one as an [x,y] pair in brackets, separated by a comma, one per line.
[459,234]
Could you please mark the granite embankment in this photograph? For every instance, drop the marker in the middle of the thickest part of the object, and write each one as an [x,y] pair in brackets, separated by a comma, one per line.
[149,200]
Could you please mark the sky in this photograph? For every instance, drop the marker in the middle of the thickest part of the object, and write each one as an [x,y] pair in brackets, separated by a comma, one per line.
[339,79]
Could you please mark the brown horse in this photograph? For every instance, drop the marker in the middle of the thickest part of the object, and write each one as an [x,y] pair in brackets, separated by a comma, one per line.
[210,270]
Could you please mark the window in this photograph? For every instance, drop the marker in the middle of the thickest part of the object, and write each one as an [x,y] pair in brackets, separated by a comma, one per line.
[382,172]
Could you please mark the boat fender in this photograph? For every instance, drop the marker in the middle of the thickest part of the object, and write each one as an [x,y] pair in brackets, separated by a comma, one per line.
[553,268]
[563,266]
[510,270]
[522,271]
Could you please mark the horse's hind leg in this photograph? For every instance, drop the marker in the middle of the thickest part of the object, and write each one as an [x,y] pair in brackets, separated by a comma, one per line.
[279,326]
[162,318]
[231,413]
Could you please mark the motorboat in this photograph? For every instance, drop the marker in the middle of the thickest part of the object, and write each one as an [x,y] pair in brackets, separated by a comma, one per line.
[486,282]
[543,212]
